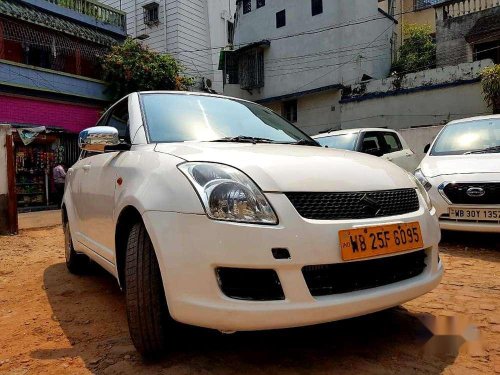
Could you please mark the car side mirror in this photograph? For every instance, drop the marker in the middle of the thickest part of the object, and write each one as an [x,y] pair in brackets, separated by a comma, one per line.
[427,147]
[101,139]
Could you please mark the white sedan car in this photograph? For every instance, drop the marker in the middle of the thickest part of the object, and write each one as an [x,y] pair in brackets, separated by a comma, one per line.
[385,143]
[461,171]
[218,213]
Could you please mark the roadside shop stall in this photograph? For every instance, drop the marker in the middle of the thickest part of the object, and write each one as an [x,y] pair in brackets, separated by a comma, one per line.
[37,151]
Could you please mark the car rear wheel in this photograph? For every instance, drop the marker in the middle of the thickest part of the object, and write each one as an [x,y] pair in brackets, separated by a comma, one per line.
[76,263]
[147,310]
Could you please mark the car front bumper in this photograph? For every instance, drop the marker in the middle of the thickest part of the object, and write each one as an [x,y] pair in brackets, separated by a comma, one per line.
[443,206]
[191,247]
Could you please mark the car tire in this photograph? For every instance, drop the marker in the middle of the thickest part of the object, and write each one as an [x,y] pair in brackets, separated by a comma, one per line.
[147,311]
[76,263]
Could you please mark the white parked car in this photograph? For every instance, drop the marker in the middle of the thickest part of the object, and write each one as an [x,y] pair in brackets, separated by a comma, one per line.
[461,171]
[218,213]
[385,143]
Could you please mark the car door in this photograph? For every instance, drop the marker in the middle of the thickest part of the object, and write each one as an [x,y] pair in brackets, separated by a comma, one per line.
[397,151]
[98,186]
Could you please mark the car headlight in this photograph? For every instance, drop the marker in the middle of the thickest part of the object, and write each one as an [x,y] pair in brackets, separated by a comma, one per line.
[422,179]
[422,190]
[228,194]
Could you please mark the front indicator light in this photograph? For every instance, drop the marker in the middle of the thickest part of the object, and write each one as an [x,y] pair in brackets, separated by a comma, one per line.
[422,190]
[422,179]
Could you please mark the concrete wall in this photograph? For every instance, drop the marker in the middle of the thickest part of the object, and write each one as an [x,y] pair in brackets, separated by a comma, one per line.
[3,179]
[420,108]
[418,138]
[315,112]
[355,40]
[451,46]
[430,97]
[424,78]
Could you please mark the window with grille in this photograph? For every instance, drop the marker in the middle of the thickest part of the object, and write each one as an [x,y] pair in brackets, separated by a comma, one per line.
[290,110]
[261,3]
[317,7]
[280,19]
[247,6]
[151,14]
[251,69]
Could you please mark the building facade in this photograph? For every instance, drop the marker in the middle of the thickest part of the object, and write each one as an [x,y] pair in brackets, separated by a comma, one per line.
[295,55]
[467,31]
[49,83]
[192,31]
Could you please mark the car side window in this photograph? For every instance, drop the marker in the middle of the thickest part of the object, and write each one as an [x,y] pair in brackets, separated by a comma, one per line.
[370,143]
[392,142]
[118,118]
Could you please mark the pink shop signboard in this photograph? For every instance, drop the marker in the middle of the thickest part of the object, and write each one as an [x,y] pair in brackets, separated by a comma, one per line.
[33,111]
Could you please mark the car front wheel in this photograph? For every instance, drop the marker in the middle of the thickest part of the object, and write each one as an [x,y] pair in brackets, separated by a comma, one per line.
[147,310]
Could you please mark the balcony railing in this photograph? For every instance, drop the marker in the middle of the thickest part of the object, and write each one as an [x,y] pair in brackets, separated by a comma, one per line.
[96,10]
[458,8]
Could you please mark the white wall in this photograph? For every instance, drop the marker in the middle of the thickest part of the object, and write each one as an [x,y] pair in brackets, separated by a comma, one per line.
[418,138]
[421,108]
[315,112]
[355,40]
[219,13]
[429,97]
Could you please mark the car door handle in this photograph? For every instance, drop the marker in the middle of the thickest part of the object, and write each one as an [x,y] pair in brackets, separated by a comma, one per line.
[86,167]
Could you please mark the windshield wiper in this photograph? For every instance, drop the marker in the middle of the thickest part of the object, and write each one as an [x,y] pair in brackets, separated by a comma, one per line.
[305,142]
[244,139]
[484,150]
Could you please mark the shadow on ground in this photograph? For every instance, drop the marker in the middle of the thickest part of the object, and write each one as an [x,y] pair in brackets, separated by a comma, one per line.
[91,312]
[472,245]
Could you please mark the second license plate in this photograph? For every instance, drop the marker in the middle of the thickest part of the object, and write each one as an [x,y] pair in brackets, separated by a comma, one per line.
[480,214]
[379,240]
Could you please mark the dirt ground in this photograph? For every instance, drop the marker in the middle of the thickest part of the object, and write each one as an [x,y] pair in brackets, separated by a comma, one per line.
[52,322]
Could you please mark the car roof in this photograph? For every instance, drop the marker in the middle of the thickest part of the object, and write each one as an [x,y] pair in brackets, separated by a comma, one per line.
[352,131]
[477,118]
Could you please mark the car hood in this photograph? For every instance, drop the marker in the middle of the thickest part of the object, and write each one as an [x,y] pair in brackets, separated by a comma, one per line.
[287,168]
[433,166]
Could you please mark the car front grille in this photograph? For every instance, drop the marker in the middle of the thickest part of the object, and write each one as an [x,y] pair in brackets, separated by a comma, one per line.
[354,205]
[463,193]
[349,277]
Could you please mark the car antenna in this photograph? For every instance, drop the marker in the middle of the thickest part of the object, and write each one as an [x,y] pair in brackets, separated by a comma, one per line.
[326,131]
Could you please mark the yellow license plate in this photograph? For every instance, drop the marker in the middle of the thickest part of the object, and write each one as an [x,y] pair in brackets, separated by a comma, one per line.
[369,242]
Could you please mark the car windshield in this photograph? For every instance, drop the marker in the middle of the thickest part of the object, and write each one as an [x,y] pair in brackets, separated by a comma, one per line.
[469,137]
[181,118]
[342,141]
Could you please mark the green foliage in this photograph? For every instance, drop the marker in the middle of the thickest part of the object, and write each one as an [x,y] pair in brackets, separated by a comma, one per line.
[418,51]
[131,67]
[490,80]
